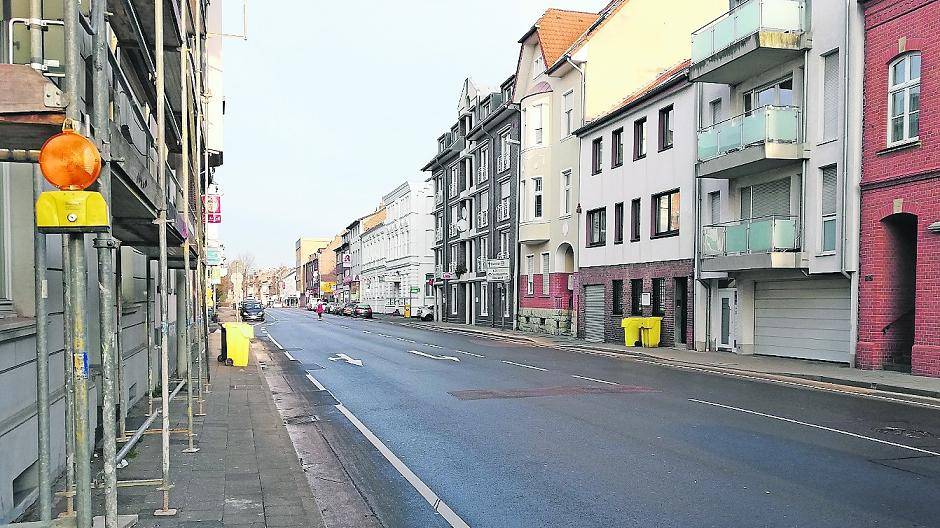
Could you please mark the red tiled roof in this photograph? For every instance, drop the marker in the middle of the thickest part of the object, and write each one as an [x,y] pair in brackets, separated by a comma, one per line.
[558,29]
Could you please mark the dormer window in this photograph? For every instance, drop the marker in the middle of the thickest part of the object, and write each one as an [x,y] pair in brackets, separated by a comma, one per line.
[538,65]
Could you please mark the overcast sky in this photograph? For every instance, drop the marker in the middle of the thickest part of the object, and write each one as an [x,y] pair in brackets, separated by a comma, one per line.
[331,104]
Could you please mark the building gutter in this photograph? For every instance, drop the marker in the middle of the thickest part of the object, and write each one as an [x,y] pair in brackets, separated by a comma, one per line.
[856,193]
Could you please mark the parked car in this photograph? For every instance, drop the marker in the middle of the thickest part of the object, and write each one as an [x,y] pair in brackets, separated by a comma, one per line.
[425,313]
[362,310]
[329,307]
[349,309]
[252,311]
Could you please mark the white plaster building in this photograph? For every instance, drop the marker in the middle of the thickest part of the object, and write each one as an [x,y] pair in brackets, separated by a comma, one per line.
[409,234]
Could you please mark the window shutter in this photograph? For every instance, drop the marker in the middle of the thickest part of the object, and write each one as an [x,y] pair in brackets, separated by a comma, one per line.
[771,198]
[831,96]
[830,184]
[715,199]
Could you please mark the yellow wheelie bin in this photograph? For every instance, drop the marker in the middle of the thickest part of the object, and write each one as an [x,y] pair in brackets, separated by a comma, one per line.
[631,330]
[236,342]
[650,331]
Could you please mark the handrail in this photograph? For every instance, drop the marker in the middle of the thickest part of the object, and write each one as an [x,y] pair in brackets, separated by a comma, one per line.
[750,113]
[751,220]
[896,321]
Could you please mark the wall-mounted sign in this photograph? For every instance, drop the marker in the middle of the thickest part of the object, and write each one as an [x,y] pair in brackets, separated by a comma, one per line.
[213,256]
[498,274]
[347,258]
[448,275]
[213,205]
[327,287]
[646,299]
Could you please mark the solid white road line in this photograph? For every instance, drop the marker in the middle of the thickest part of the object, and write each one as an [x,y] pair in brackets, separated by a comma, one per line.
[433,499]
[290,357]
[816,426]
[470,354]
[524,365]
[432,356]
[594,379]
[271,337]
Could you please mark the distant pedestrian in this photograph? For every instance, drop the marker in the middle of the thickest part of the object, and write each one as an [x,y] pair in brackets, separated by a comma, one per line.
[320,311]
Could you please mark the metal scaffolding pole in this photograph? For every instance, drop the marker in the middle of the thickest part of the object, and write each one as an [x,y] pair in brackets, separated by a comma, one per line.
[187,284]
[67,356]
[105,249]
[165,510]
[42,316]
[202,360]
[150,344]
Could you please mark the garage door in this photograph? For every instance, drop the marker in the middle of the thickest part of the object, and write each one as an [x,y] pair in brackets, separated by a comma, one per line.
[806,319]
[594,313]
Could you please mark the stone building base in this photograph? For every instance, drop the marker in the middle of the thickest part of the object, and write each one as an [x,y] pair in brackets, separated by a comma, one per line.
[543,320]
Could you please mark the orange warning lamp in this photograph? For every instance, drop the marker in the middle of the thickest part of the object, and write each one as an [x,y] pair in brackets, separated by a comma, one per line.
[70,161]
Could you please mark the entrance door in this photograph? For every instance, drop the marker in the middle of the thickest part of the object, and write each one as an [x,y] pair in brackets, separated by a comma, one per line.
[681,288]
[899,317]
[727,306]
[594,313]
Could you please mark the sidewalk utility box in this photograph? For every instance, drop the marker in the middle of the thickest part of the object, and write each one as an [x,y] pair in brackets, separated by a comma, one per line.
[650,331]
[237,339]
[631,330]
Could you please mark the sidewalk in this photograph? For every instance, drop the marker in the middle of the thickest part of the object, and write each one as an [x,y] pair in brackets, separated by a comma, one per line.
[817,374]
[246,472]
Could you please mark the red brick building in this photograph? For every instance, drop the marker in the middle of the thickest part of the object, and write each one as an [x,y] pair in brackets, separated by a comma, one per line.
[899,287]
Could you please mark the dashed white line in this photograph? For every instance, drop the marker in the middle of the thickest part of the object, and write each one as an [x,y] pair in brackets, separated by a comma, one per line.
[290,357]
[816,426]
[524,365]
[594,379]
[271,337]
[470,354]
[429,345]
[366,332]
[433,499]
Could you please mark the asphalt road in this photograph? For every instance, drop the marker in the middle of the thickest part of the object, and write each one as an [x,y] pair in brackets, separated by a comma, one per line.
[512,435]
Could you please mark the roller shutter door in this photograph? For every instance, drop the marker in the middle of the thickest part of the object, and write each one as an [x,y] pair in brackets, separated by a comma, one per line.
[806,319]
[594,313]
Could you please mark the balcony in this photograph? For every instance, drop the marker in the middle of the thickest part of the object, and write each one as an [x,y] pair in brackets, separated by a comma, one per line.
[534,233]
[438,233]
[770,242]
[483,219]
[751,38]
[502,164]
[483,173]
[452,191]
[761,140]
[502,211]
[452,230]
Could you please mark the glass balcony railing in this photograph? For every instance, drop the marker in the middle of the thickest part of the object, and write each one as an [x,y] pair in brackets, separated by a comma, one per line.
[766,234]
[745,20]
[768,124]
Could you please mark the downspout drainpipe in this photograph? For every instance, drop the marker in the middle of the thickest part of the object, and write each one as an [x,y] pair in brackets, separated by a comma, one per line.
[577,230]
[42,316]
[105,245]
[856,198]
[697,112]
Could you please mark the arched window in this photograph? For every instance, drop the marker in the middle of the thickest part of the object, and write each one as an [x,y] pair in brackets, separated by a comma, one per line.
[904,99]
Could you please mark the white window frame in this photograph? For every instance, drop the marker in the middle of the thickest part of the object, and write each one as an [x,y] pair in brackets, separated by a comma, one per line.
[826,217]
[546,265]
[530,274]
[905,88]
[567,115]
[565,192]
[538,64]
[538,200]
[484,292]
[6,264]
[453,299]
[538,127]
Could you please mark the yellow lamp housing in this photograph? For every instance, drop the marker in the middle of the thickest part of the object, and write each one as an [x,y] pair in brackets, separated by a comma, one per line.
[71,212]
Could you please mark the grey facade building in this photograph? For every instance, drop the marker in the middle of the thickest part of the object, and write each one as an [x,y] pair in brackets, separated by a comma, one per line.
[474,208]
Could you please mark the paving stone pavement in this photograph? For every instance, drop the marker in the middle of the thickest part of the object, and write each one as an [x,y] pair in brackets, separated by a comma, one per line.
[246,472]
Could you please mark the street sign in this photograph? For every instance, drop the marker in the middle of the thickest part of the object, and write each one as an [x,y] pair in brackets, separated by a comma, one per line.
[448,275]
[213,203]
[498,274]
[215,275]
[416,290]
[497,263]
[213,256]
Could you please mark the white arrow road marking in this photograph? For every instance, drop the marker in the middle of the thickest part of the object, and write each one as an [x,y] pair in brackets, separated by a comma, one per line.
[470,353]
[432,356]
[347,359]
[815,426]
[524,366]
[593,379]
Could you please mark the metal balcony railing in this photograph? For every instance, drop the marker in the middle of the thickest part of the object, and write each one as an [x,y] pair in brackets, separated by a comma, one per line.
[768,124]
[482,264]
[482,173]
[766,234]
[453,190]
[438,233]
[502,211]
[483,218]
[452,230]
[438,197]
[503,255]
[452,267]
[744,21]
[502,163]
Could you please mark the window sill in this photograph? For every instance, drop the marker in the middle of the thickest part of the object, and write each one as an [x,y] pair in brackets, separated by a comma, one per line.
[596,244]
[614,166]
[664,235]
[565,216]
[635,239]
[618,242]
[638,158]
[667,147]
[826,253]
[914,143]
[596,172]
[826,142]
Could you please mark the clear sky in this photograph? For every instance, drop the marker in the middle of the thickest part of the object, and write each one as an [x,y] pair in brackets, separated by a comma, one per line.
[331,104]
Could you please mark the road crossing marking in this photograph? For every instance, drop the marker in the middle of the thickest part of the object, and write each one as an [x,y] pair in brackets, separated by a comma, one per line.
[432,356]
[347,359]
[593,379]
[470,354]
[816,426]
[524,365]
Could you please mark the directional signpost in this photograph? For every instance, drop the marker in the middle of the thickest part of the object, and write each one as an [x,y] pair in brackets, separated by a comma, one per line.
[497,270]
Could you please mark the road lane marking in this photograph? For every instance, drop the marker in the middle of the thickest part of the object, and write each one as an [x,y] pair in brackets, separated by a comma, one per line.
[433,499]
[816,426]
[432,356]
[290,357]
[470,354]
[432,346]
[594,379]
[366,332]
[524,365]
[271,337]
[406,340]
[347,359]
[316,383]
